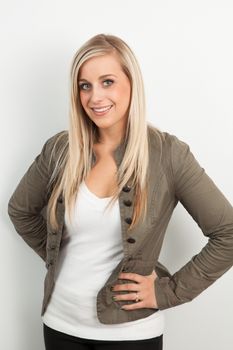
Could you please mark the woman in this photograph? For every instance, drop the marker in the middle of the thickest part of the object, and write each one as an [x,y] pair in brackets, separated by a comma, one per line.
[95,205]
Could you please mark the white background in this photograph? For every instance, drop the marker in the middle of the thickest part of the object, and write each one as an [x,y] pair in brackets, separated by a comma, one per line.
[185,52]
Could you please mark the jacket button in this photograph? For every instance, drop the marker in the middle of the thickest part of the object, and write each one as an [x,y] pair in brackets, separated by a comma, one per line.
[128,220]
[125,269]
[52,246]
[126,188]
[60,199]
[127,202]
[131,240]
[50,262]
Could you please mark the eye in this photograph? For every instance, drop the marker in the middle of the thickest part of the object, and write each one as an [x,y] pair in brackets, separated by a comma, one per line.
[81,86]
[111,81]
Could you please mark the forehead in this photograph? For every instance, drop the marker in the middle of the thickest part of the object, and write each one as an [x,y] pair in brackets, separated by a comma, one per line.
[101,65]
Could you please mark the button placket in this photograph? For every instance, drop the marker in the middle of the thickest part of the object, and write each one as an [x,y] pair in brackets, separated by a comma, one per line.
[52,246]
[127,203]
[128,208]
[52,251]
[124,212]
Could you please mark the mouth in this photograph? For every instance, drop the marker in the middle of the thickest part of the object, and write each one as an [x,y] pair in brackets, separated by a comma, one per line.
[102,110]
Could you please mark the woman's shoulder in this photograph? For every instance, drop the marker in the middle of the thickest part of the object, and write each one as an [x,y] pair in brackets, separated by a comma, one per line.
[169,147]
[59,137]
[55,145]
[57,140]
[165,138]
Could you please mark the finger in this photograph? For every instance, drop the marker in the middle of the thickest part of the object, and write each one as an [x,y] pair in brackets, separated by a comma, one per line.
[133,306]
[126,286]
[154,273]
[131,276]
[128,296]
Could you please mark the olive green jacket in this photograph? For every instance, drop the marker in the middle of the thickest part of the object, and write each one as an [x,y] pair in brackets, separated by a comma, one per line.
[174,175]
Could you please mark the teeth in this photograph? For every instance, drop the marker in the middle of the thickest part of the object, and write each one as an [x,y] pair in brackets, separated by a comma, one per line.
[102,109]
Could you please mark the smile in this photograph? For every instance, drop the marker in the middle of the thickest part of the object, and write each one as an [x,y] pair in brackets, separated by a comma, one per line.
[101,111]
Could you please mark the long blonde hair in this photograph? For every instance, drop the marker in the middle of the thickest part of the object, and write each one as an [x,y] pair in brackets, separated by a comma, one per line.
[75,156]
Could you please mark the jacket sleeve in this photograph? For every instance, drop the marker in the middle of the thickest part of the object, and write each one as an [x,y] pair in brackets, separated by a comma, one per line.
[28,200]
[214,215]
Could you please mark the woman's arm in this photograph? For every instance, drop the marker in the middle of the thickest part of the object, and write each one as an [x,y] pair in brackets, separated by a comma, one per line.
[213,214]
[29,198]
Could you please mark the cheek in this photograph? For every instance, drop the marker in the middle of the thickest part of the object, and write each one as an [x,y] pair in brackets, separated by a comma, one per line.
[124,99]
[122,95]
[83,99]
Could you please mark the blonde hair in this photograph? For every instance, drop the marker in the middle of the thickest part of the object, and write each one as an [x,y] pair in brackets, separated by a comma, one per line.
[75,157]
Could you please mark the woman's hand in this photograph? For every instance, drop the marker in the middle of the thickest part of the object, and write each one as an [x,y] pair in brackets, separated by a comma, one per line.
[144,288]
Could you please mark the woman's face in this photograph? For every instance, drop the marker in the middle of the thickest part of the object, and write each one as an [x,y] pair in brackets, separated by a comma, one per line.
[105,92]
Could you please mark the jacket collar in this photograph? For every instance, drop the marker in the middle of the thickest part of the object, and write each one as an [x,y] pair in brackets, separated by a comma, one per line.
[118,153]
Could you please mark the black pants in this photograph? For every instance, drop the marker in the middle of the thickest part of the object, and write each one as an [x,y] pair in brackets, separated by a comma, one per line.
[55,340]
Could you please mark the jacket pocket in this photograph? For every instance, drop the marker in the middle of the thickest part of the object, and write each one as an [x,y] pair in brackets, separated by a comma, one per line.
[53,239]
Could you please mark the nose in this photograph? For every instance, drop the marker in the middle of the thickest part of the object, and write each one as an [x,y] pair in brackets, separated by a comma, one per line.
[97,95]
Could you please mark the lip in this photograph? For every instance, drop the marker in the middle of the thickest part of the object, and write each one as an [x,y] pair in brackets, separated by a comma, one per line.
[101,107]
[102,113]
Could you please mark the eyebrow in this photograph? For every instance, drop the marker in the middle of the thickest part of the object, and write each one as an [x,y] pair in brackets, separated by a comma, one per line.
[101,77]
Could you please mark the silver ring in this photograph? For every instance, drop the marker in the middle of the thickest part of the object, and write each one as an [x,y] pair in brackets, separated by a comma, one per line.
[137,298]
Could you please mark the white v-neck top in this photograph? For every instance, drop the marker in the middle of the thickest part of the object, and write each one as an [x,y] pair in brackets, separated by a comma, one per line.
[88,255]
